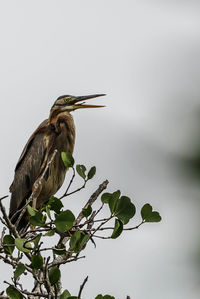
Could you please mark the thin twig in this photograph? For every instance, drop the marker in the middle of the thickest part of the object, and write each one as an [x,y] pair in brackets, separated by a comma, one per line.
[71,181]
[3,197]
[46,277]
[101,224]
[76,190]
[8,261]
[99,210]
[110,227]
[101,237]
[92,199]
[65,261]
[7,220]
[82,287]
[32,231]
[2,236]
[135,227]
[2,221]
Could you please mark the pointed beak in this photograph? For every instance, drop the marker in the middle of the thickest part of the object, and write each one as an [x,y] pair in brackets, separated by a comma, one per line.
[82,99]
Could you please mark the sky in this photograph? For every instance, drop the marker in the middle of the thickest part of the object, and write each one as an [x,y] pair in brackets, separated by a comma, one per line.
[145,56]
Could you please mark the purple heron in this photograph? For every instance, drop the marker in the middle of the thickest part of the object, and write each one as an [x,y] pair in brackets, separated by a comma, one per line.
[55,133]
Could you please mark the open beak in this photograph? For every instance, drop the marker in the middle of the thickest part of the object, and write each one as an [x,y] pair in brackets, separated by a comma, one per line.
[84,98]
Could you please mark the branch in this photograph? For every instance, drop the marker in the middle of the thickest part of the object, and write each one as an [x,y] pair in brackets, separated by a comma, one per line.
[65,261]
[82,287]
[62,259]
[11,227]
[110,227]
[2,236]
[92,199]
[71,181]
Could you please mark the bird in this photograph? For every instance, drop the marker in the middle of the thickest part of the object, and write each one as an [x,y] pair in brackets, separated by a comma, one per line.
[55,133]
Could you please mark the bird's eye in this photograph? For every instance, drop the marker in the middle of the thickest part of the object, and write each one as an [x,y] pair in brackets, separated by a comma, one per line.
[67,99]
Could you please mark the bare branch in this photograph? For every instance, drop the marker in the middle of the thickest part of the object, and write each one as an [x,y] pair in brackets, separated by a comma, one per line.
[82,287]
[11,227]
[2,236]
[71,181]
[92,199]
[3,197]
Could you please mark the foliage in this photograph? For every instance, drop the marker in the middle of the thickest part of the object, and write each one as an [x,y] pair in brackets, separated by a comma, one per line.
[24,251]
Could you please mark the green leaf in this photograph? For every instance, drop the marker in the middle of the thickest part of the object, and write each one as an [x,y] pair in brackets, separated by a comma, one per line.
[50,233]
[78,240]
[65,295]
[38,219]
[81,170]
[74,240]
[87,211]
[31,211]
[13,293]
[113,201]
[64,221]
[37,262]
[91,172]
[19,270]
[55,204]
[20,245]
[117,229]
[105,197]
[83,241]
[36,242]
[60,251]
[117,194]
[148,215]
[125,209]
[104,297]
[146,211]
[54,275]
[68,159]
[9,240]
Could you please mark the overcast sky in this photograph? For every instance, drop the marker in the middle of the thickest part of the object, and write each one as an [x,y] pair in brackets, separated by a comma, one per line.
[145,56]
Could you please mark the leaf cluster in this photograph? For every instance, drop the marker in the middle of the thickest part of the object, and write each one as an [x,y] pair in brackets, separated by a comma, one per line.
[25,251]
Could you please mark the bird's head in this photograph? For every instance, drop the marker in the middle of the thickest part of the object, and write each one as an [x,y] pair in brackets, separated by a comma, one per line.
[70,103]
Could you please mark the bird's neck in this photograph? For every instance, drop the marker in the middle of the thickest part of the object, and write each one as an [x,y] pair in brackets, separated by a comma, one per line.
[55,120]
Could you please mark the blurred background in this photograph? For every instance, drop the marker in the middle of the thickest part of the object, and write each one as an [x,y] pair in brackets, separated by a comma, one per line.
[145,56]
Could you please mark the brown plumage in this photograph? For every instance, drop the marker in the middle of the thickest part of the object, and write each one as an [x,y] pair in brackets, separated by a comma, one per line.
[56,132]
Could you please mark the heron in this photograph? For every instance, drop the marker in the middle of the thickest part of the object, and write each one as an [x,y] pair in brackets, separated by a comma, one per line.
[55,133]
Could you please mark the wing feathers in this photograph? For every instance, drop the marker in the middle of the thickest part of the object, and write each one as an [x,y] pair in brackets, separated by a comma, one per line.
[29,167]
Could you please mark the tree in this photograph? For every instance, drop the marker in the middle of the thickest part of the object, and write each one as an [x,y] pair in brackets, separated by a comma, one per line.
[24,251]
